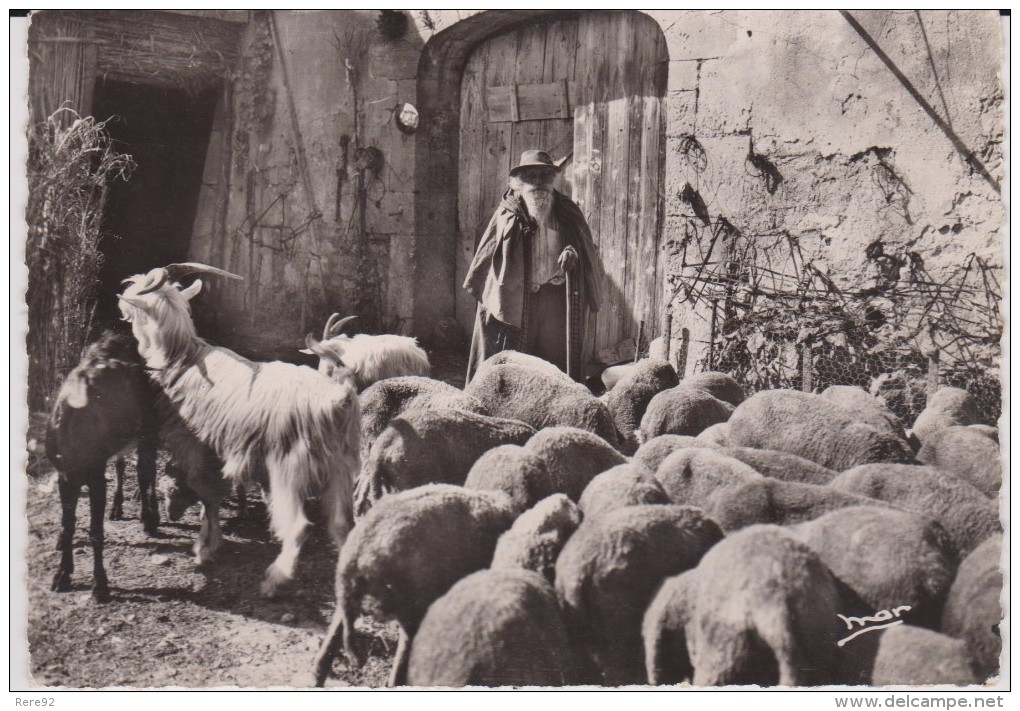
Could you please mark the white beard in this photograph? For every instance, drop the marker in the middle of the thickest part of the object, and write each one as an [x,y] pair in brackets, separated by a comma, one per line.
[539,207]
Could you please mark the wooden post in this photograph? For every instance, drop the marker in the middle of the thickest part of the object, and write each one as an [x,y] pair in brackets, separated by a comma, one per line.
[933,376]
[806,367]
[667,335]
[711,337]
[681,355]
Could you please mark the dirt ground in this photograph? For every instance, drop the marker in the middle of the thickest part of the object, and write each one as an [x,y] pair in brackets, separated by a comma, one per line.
[171,623]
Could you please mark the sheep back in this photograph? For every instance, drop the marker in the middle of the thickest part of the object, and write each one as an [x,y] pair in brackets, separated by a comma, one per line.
[909,655]
[760,608]
[512,357]
[886,557]
[609,570]
[967,515]
[655,450]
[690,476]
[572,457]
[388,398]
[629,398]
[718,434]
[865,408]
[968,454]
[946,408]
[684,411]
[814,428]
[513,470]
[781,465]
[719,385]
[542,400]
[973,612]
[493,628]
[538,535]
[432,447]
[628,484]
[767,500]
[414,545]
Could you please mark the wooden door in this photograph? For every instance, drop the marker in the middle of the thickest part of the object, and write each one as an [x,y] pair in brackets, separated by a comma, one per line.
[588,86]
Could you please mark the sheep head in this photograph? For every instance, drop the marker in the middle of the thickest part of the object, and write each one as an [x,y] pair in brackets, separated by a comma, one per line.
[157,307]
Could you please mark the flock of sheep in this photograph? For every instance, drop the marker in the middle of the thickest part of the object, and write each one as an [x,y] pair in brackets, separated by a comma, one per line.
[524,532]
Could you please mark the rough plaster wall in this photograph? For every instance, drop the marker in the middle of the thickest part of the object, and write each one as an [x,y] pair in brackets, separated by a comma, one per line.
[817,102]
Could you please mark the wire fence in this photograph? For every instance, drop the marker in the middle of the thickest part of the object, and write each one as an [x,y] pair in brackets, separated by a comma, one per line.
[777,321]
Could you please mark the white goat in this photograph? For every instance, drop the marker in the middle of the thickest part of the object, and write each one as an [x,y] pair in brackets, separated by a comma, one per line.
[369,358]
[283,426]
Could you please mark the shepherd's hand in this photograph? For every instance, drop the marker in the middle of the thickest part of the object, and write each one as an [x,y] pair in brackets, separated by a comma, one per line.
[568,259]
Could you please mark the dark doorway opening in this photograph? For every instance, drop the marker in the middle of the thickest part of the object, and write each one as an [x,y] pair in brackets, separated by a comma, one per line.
[149,218]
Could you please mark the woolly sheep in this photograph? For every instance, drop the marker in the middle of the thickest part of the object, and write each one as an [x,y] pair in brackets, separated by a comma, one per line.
[405,554]
[684,411]
[691,476]
[914,656]
[947,407]
[717,434]
[767,500]
[973,612]
[513,470]
[366,358]
[760,608]
[655,450]
[814,428]
[629,398]
[781,465]
[718,385]
[628,484]
[512,357]
[539,399]
[886,557]
[987,430]
[538,535]
[865,408]
[386,399]
[968,454]
[609,570]
[493,628]
[572,457]
[967,515]
[431,447]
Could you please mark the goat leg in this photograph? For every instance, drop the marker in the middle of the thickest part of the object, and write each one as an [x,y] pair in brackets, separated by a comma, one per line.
[69,492]
[117,510]
[97,507]
[147,486]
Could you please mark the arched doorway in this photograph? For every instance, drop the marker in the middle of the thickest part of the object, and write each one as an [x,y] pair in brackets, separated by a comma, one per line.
[587,87]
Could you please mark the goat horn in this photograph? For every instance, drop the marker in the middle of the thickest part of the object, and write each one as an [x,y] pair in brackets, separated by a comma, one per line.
[337,327]
[329,326]
[156,280]
[183,269]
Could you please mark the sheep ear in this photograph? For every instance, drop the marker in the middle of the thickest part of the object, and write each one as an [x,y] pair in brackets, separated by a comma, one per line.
[192,291]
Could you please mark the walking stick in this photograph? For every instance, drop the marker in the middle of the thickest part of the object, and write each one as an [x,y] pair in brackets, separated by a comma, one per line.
[569,299]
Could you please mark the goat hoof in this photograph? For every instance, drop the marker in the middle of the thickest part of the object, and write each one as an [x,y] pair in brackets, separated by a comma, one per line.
[101,594]
[61,582]
[271,586]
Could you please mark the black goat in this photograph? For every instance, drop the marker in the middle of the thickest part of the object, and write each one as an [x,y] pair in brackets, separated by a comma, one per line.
[104,407]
